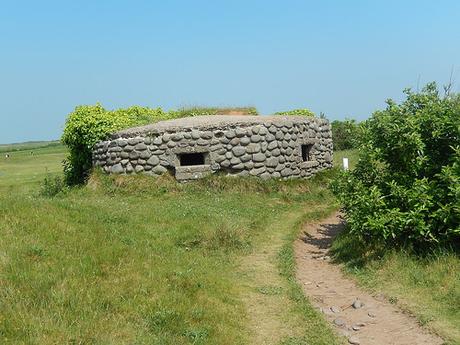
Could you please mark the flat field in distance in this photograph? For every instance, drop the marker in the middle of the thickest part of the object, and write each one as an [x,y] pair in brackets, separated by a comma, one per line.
[29,164]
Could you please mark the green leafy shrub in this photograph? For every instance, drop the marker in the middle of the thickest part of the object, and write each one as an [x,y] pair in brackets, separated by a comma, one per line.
[405,188]
[52,186]
[345,134]
[87,125]
[296,112]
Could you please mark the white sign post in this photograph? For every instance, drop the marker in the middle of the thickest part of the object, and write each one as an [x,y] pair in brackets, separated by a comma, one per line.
[345,164]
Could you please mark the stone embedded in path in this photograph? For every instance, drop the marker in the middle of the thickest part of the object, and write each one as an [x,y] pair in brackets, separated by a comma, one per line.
[371,314]
[355,327]
[336,309]
[354,341]
[339,322]
[357,304]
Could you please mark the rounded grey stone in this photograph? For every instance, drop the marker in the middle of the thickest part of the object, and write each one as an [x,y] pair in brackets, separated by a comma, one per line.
[195,134]
[269,137]
[245,141]
[225,163]
[202,142]
[354,340]
[234,161]
[220,158]
[249,165]
[265,176]
[206,135]
[166,137]
[117,169]
[153,160]
[259,157]
[339,322]
[144,154]
[263,130]
[245,158]
[272,162]
[133,141]
[159,169]
[134,155]
[276,152]
[286,172]
[272,145]
[253,148]
[238,151]
[235,141]
[230,134]
[240,132]
[257,171]
[177,136]
[239,166]
[122,142]
[336,309]
[255,138]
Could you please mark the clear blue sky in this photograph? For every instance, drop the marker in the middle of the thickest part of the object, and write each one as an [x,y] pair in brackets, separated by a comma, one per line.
[343,58]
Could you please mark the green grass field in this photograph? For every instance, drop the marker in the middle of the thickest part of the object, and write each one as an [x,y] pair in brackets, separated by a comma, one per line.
[134,260]
[24,170]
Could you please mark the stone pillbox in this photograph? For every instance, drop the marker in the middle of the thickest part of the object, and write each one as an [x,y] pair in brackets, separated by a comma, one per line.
[193,147]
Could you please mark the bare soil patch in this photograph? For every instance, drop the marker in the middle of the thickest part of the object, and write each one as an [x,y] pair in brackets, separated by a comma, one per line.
[361,317]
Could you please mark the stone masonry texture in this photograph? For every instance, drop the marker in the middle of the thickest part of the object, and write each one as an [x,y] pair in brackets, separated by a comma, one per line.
[190,148]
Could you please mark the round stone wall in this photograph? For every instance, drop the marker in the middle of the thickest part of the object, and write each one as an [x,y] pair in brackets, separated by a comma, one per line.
[191,148]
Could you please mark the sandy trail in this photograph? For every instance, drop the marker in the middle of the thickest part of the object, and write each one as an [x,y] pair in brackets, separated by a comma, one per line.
[377,321]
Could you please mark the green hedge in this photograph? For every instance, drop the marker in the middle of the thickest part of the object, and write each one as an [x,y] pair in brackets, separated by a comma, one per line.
[405,188]
[87,125]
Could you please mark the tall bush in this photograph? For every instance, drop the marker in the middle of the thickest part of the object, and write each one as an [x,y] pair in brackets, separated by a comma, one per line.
[87,125]
[405,188]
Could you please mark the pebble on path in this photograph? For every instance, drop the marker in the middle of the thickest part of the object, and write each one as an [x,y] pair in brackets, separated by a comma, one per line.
[354,341]
[339,322]
[335,309]
[357,304]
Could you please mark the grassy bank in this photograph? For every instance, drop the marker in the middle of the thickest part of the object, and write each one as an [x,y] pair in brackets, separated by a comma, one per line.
[428,287]
[137,260]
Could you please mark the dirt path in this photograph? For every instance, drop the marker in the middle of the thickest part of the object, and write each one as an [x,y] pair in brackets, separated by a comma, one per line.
[376,321]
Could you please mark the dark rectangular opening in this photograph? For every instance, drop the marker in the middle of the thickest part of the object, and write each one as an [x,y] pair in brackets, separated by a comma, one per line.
[188,159]
[306,152]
